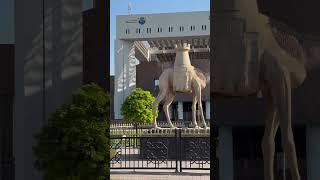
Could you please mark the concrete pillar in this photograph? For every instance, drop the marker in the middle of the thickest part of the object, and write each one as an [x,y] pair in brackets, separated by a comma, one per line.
[125,73]
[170,111]
[207,110]
[35,99]
[180,110]
[313,151]
[225,153]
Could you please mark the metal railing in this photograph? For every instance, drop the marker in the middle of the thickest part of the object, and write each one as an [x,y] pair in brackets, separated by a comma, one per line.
[139,147]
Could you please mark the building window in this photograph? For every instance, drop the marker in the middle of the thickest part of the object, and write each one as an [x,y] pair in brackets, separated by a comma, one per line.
[159,29]
[156,82]
[204,27]
[193,28]
[138,30]
[170,29]
[148,30]
[181,28]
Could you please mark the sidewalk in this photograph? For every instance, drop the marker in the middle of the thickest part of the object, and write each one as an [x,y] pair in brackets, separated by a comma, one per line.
[159,175]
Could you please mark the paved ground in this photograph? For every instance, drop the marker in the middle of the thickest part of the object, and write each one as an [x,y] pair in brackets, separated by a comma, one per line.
[159,175]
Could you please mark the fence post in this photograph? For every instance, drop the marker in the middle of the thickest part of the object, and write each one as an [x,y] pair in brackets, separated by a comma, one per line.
[180,149]
[177,153]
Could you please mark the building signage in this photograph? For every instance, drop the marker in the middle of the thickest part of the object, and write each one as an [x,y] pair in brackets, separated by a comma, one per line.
[142,20]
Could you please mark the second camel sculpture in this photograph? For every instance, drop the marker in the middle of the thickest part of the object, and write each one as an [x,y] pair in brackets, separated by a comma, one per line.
[184,78]
[281,65]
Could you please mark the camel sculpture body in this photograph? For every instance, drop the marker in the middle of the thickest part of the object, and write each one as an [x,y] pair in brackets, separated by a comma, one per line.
[282,66]
[183,78]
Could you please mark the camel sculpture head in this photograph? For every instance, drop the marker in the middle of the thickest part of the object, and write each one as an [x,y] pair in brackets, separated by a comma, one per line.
[182,55]
[182,47]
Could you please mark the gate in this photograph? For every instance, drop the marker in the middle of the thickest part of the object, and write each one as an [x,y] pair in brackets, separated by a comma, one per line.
[146,148]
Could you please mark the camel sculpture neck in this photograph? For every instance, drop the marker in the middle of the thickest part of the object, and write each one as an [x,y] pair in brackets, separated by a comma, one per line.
[183,70]
[182,58]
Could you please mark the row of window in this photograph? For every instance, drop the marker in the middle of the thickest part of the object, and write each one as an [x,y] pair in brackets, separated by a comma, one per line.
[181,28]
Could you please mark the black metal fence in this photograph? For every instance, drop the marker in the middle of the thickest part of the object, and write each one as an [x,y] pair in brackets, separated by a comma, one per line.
[143,148]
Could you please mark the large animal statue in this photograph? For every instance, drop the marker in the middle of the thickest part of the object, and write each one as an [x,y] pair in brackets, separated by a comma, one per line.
[182,78]
[280,66]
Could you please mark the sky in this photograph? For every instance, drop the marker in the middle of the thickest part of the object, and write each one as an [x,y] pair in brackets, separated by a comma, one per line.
[120,7]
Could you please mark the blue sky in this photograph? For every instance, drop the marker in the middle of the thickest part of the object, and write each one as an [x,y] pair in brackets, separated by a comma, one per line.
[120,7]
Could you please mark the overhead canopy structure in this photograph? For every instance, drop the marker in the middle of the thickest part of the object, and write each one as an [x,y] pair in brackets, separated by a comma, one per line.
[163,49]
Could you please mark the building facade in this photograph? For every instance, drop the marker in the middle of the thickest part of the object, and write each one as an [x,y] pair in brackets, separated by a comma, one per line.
[144,47]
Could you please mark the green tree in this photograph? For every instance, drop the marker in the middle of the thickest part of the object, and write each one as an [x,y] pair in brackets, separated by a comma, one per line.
[137,108]
[74,145]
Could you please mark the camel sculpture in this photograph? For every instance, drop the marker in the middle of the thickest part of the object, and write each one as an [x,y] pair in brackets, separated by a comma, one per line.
[282,66]
[184,78]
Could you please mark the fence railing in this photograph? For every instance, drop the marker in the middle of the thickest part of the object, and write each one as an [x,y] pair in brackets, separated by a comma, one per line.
[145,148]
[179,124]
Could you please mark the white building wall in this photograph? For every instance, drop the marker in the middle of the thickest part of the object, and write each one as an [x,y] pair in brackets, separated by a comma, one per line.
[200,21]
[125,73]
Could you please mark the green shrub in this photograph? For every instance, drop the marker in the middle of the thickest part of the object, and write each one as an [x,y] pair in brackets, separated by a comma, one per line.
[137,108]
[74,145]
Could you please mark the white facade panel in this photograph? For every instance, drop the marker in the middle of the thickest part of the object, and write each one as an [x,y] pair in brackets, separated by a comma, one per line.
[143,26]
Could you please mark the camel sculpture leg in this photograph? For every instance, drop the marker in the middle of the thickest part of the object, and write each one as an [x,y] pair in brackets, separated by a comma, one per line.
[194,110]
[166,105]
[279,110]
[197,90]
[160,97]
[268,144]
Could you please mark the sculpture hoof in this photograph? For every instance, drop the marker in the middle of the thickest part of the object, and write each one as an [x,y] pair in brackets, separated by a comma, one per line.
[172,126]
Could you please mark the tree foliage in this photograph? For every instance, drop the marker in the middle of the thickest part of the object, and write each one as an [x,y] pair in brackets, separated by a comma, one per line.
[74,145]
[137,108]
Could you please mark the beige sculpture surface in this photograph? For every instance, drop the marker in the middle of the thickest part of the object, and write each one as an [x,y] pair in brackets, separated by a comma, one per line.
[183,78]
[281,67]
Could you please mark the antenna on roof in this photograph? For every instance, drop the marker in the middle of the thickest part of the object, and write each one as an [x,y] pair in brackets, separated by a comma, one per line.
[129,8]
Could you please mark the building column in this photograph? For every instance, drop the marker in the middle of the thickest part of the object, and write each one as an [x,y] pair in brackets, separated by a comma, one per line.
[170,111]
[313,151]
[208,110]
[125,73]
[180,110]
[225,153]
